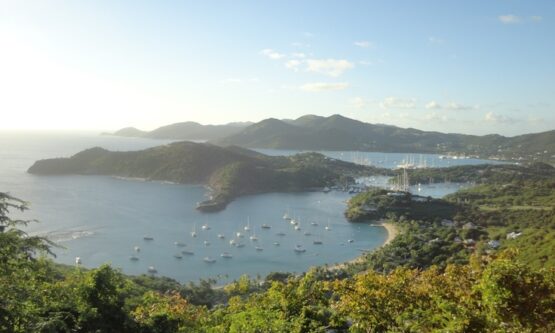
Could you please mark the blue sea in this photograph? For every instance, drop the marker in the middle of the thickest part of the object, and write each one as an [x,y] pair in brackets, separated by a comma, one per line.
[102,219]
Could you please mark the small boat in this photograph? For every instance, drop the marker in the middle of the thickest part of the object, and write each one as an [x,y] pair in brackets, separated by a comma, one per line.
[178,256]
[328,228]
[206,243]
[205,227]
[314,224]
[137,249]
[240,235]
[280,234]
[232,242]
[265,226]
[258,248]
[152,270]
[133,258]
[248,226]
[317,242]
[253,238]
[77,261]
[179,244]
[226,255]
[209,260]
[293,222]
[240,245]
[276,243]
[220,236]
[307,234]
[350,240]
[148,238]
[297,228]
[299,249]
[189,253]
[194,232]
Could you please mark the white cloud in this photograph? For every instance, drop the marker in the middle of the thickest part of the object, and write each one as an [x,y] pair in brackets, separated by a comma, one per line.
[436,117]
[293,64]
[274,55]
[398,103]
[363,43]
[330,67]
[498,118]
[358,103]
[433,105]
[324,86]
[509,19]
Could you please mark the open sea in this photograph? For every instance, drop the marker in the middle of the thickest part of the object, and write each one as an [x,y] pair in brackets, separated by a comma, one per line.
[103,219]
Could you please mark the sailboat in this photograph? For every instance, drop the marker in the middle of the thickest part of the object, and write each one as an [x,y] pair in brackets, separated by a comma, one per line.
[226,255]
[328,228]
[209,260]
[133,258]
[221,236]
[248,226]
[299,249]
[194,232]
[152,270]
[265,226]
[179,244]
[253,237]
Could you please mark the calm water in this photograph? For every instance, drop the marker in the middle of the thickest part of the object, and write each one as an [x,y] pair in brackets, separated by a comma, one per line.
[101,219]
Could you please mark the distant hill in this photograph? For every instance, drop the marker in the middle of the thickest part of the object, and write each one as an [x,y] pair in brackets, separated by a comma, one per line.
[336,132]
[230,172]
[186,131]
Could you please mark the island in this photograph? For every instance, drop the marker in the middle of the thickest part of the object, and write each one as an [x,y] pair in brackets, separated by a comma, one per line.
[229,172]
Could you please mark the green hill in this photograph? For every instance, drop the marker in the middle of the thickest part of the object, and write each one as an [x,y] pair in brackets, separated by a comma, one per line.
[340,133]
[230,172]
[185,131]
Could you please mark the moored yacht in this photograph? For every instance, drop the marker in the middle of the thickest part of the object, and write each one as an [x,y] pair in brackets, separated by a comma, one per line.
[226,255]
[299,249]
[209,260]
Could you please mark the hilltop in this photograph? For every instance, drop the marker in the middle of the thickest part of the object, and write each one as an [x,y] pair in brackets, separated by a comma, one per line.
[336,132]
[230,172]
[185,131]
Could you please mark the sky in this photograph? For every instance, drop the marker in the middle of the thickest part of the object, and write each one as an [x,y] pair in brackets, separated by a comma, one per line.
[474,67]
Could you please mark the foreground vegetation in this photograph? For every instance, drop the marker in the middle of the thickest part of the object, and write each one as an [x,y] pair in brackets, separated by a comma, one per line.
[423,281]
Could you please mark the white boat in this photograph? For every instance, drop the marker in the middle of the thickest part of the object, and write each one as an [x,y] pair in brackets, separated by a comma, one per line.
[299,249]
[265,226]
[293,222]
[276,243]
[258,248]
[248,226]
[194,232]
[206,243]
[77,261]
[189,253]
[220,236]
[253,238]
[137,249]
[239,234]
[206,227]
[240,245]
[133,258]
[297,228]
[317,242]
[350,240]
[328,228]
[179,244]
[232,242]
[314,224]
[148,238]
[152,270]
[209,260]
[226,255]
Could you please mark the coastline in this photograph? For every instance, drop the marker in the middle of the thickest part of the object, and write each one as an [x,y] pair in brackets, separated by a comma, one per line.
[392,233]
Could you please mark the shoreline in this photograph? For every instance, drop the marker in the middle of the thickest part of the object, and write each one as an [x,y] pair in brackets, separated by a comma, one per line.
[392,233]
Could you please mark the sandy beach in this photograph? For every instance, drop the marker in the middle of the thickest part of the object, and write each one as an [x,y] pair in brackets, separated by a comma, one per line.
[392,232]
